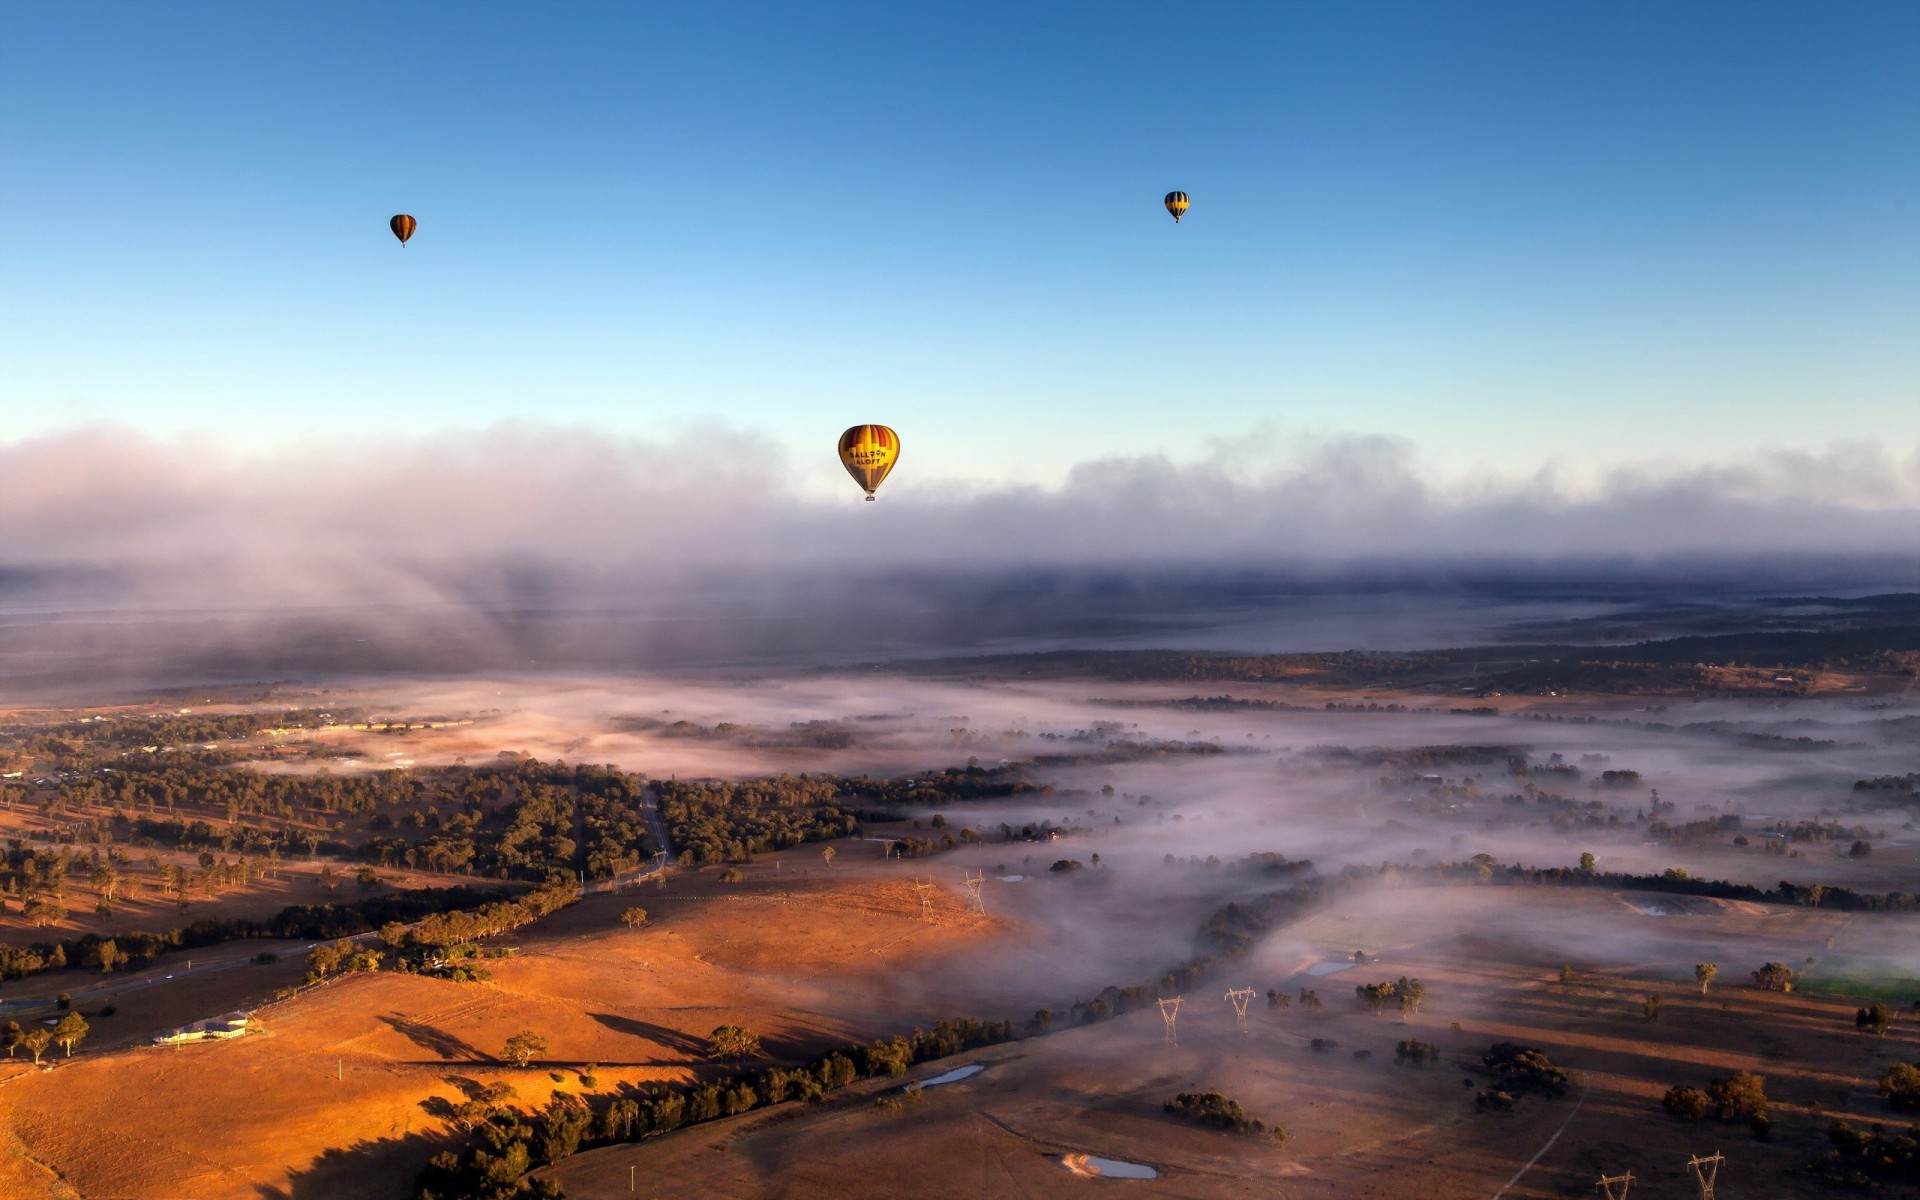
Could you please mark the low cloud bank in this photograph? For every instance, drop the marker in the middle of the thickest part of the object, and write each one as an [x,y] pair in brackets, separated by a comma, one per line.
[539,515]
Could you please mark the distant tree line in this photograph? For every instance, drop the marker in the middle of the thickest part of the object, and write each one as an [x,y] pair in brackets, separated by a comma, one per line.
[309,921]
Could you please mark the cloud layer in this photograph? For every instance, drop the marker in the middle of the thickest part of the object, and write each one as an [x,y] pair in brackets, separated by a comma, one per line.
[195,521]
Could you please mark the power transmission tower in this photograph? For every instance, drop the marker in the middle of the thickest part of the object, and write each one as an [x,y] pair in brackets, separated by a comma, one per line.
[1238,997]
[974,883]
[1614,1187]
[925,888]
[1170,1012]
[1705,1172]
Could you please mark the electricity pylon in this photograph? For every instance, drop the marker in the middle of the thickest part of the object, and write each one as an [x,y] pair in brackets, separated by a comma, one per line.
[1238,997]
[1170,1012]
[1706,1171]
[1614,1187]
[974,883]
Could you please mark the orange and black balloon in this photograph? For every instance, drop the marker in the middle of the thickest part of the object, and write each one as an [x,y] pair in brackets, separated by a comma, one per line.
[403,227]
[868,452]
[1177,205]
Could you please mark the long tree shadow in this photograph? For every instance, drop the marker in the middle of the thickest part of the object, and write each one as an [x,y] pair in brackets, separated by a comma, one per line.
[435,1041]
[659,1035]
[345,1172]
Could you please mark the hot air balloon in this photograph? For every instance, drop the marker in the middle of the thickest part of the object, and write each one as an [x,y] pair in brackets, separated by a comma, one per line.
[1177,205]
[403,227]
[869,452]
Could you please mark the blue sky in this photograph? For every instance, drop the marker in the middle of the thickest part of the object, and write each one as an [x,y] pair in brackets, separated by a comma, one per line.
[1580,233]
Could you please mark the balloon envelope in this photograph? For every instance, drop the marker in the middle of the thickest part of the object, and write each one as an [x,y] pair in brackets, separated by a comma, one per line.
[868,452]
[403,227]
[1177,205]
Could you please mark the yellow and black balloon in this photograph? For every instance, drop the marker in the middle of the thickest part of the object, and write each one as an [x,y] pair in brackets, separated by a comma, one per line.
[403,227]
[868,452]
[1177,205]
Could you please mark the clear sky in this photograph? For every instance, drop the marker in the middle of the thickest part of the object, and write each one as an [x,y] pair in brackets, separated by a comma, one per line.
[1510,233]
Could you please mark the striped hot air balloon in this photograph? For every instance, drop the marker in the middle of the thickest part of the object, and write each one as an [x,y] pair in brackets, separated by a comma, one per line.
[1177,205]
[403,227]
[868,452]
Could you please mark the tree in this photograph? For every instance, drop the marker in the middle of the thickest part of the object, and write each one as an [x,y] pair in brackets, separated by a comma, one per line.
[1874,1019]
[36,1041]
[1689,1104]
[523,1047]
[733,1043]
[10,1037]
[826,855]
[70,1031]
[1742,1095]
[634,918]
[1411,992]
[1374,995]
[1650,1007]
[109,954]
[1774,977]
[1587,862]
[1703,974]
[1900,1084]
[324,960]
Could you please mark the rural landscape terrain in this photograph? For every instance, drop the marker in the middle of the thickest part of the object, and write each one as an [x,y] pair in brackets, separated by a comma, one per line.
[1502,920]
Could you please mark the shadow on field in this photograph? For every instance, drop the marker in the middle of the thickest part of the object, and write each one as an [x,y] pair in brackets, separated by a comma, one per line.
[348,1171]
[659,1035]
[435,1041]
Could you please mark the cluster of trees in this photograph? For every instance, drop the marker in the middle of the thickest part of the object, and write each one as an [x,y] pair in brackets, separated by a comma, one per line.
[731,822]
[1485,869]
[1900,1085]
[1862,1160]
[1517,1070]
[1414,1053]
[310,921]
[440,930]
[1404,992]
[1874,1019]
[1743,1094]
[340,958]
[1216,1111]
[1422,757]
[931,789]
[510,1144]
[613,817]
[67,1033]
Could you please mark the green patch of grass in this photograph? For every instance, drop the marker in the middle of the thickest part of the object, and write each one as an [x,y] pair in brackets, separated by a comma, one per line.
[1864,977]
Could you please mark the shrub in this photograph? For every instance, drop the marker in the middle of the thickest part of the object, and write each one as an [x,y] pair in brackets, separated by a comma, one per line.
[1213,1109]
[1522,1069]
[1689,1104]
[1900,1085]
